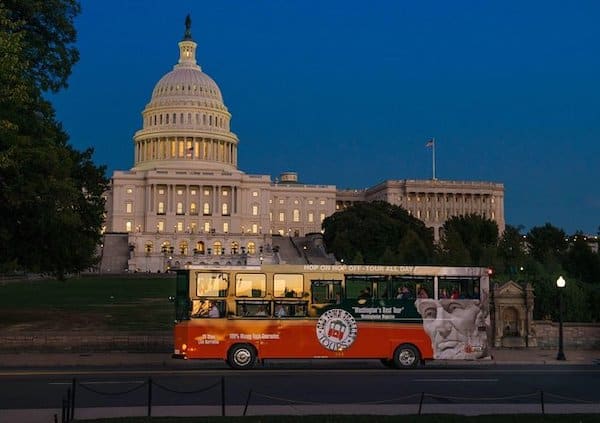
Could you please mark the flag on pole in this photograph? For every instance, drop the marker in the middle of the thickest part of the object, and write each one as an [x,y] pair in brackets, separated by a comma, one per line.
[429,143]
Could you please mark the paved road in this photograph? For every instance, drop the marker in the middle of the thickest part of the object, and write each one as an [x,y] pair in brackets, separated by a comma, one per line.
[300,388]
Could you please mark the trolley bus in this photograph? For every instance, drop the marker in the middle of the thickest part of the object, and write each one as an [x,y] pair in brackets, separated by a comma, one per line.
[401,315]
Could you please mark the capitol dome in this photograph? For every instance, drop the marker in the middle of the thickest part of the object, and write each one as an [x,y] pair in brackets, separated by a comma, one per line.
[186,123]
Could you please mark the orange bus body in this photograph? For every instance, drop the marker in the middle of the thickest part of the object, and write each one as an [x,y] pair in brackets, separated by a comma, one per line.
[289,338]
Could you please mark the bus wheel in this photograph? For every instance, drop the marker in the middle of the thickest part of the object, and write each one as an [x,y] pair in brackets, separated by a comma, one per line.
[241,356]
[406,356]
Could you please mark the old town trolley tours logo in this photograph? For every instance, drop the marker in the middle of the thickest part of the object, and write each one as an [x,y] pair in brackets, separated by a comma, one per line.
[336,329]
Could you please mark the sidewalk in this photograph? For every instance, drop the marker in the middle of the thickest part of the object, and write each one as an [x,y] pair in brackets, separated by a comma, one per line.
[164,360]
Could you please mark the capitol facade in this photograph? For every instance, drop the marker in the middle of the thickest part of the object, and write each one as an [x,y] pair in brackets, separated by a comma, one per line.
[186,201]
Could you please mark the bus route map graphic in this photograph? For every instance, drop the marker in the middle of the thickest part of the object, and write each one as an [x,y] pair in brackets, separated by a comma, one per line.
[336,329]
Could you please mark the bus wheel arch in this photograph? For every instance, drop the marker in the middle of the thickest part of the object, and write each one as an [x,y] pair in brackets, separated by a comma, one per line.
[242,356]
[406,356]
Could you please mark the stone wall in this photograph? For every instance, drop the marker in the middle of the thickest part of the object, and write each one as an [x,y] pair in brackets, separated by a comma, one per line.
[86,343]
[575,335]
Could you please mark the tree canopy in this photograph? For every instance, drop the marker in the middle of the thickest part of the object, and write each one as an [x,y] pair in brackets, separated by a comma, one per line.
[378,232]
[51,204]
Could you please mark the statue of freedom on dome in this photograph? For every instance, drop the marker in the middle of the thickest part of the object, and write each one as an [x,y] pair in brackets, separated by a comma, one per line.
[188,28]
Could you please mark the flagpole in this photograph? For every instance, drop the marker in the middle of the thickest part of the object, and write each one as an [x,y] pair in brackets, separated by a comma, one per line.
[433,156]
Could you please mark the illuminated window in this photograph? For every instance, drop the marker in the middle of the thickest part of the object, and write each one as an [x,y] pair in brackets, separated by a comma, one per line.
[251,248]
[296,215]
[322,216]
[254,210]
[193,192]
[250,285]
[311,217]
[281,201]
[206,226]
[225,193]
[128,226]
[255,193]
[254,228]
[225,209]
[217,248]
[129,190]
[225,227]
[206,192]
[179,208]
[285,285]
[179,226]
[160,226]
[179,192]
[161,207]
[193,208]
[322,202]
[281,216]
[310,201]
[295,201]
[128,208]
[161,191]
[206,209]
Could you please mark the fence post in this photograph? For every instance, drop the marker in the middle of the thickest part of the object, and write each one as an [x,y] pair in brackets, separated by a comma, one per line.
[73,399]
[421,402]
[223,396]
[68,406]
[62,411]
[542,399]
[149,396]
[247,401]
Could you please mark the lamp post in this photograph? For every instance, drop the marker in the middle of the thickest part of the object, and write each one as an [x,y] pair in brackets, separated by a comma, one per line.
[560,283]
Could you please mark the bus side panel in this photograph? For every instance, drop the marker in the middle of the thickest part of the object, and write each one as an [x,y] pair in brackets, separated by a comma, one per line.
[289,338]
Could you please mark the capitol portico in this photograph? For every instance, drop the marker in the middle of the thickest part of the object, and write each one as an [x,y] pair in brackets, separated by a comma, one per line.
[185,200]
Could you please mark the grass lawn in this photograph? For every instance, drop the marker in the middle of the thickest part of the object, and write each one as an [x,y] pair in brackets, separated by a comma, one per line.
[435,418]
[102,303]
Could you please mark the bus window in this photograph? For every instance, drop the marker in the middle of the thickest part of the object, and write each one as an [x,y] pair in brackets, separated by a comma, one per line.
[290,309]
[289,286]
[253,308]
[326,291]
[411,287]
[208,308]
[250,285]
[361,287]
[458,288]
[212,284]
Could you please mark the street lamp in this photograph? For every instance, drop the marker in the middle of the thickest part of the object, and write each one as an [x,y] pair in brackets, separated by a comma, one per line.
[560,283]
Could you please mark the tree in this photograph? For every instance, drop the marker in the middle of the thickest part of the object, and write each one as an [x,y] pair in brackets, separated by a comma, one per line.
[478,235]
[546,243]
[581,262]
[511,251]
[370,229]
[51,204]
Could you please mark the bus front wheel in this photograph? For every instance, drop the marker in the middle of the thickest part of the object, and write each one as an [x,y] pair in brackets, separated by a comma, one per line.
[406,356]
[241,356]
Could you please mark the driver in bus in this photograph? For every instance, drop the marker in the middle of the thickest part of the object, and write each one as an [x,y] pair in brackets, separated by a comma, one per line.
[457,329]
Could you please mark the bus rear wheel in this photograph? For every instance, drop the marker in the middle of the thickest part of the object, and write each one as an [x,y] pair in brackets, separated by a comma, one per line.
[241,356]
[406,356]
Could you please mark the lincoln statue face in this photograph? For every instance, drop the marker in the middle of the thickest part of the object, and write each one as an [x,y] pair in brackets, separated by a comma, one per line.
[457,328]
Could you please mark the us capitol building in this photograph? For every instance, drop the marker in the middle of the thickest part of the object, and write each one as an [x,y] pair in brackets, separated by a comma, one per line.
[186,201]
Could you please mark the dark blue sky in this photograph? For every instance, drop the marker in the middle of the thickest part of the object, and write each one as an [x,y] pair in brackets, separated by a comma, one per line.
[348,92]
